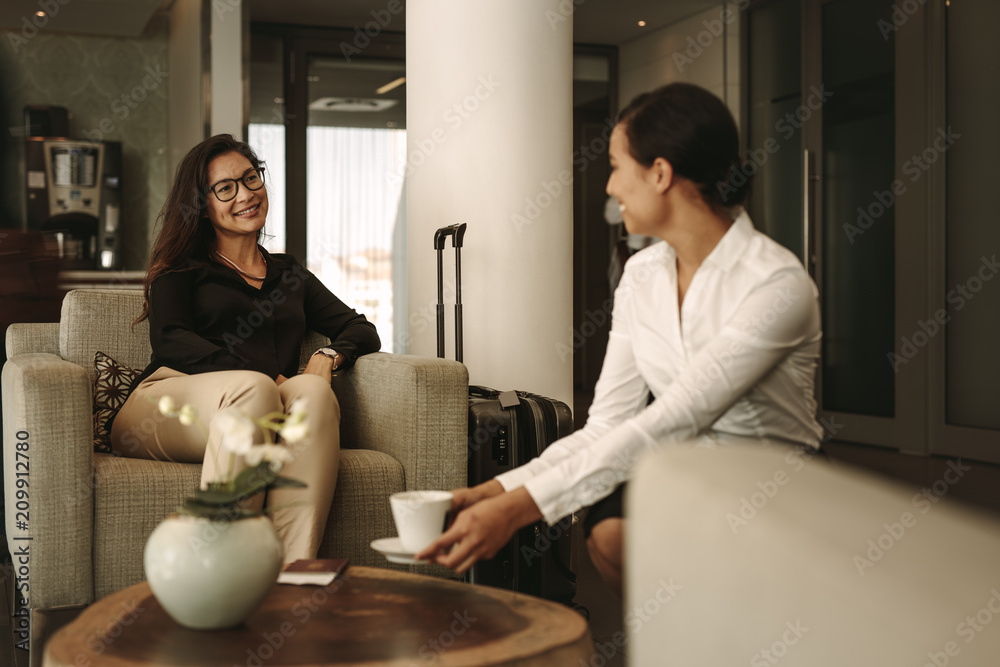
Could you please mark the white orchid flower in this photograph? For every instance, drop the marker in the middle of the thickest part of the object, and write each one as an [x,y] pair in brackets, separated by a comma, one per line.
[167,406]
[275,455]
[236,430]
[296,427]
[297,410]
[293,433]
[188,415]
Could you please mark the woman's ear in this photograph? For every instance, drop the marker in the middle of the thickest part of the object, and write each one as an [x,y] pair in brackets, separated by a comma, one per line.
[663,175]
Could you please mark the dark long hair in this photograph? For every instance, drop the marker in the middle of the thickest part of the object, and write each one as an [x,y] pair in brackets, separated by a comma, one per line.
[693,130]
[185,230]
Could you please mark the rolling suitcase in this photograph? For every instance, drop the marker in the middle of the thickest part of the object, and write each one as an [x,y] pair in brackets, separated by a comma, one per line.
[507,429]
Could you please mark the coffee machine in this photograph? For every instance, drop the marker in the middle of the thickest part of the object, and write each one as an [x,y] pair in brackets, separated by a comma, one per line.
[72,193]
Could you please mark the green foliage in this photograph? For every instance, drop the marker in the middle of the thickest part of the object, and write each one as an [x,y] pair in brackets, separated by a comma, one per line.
[221,499]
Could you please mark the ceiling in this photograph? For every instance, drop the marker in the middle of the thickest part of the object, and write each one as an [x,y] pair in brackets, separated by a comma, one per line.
[616,21]
[595,21]
[119,18]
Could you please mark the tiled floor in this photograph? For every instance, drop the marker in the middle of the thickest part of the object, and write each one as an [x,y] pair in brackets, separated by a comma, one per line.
[606,618]
[605,610]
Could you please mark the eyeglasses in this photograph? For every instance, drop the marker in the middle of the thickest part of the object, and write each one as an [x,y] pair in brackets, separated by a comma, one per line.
[226,190]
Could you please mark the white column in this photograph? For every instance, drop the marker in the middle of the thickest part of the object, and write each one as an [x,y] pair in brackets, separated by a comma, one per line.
[489,143]
[187,111]
[206,65]
[226,86]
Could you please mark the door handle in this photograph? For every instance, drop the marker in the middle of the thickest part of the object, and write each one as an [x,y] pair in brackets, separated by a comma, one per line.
[808,178]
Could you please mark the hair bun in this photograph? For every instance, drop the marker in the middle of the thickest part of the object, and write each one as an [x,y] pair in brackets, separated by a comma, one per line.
[693,130]
[733,188]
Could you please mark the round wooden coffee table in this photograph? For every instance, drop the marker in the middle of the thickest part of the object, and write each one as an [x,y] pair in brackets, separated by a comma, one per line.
[368,615]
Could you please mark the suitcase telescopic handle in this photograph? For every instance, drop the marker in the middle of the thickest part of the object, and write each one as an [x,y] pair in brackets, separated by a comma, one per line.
[457,234]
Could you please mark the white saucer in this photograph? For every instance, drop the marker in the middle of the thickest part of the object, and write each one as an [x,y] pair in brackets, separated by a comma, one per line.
[393,550]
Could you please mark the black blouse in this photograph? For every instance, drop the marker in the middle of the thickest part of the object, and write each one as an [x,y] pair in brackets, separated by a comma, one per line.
[205,317]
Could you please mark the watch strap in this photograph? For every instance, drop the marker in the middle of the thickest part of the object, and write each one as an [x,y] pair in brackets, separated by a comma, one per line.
[328,352]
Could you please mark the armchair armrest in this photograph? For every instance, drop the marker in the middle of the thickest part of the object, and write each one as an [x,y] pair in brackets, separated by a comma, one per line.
[412,408]
[776,552]
[25,338]
[48,442]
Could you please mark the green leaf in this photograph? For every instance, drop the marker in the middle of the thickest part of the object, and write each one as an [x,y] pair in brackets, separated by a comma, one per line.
[220,500]
[205,497]
[218,486]
[287,482]
[255,479]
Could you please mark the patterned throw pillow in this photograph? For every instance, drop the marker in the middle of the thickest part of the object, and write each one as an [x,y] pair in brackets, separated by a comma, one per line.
[110,390]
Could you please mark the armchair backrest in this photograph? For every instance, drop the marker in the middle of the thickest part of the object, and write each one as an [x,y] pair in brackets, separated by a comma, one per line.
[101,319]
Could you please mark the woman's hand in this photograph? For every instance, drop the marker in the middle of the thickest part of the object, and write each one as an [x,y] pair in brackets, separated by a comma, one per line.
[481,529]
[321,365]
[466,497]
[278,380]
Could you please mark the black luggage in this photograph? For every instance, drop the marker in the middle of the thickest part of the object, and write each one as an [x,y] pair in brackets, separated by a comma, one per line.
[507,429]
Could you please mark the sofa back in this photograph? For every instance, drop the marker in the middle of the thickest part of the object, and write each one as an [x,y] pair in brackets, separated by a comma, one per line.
[756,552]
[101,320]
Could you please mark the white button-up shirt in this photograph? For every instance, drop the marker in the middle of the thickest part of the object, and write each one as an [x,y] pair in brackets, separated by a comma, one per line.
[737,358]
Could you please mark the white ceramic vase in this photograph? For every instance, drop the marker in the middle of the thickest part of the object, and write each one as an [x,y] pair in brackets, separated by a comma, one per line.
[212,574]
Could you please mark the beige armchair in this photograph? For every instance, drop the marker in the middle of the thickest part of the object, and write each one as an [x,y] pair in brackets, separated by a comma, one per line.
[83,518]
[755,554]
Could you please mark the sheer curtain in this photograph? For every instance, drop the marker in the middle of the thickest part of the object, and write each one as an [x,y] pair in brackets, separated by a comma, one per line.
[355,215]
[268,141]
[353,209]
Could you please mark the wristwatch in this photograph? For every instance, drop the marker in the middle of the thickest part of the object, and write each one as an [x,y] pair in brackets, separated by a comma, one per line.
[330,352]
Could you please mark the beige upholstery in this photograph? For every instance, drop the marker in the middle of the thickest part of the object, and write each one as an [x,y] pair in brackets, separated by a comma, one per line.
[24,338]
[752,555]
[404,427]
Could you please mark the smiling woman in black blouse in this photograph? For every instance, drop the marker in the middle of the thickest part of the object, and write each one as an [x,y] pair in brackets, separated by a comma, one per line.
[226,324]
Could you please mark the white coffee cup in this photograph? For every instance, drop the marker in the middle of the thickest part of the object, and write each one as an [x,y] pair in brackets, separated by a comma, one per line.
[420,517]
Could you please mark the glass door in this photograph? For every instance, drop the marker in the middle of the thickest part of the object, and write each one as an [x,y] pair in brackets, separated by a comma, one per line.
[869,219]
[345,156]
[266,129]
[959,156]
[594,236]
[823,114]
[773,95]
[356,152]
[897,142]
[855,172]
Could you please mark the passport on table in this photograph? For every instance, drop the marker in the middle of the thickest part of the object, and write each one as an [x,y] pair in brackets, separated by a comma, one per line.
[312,572]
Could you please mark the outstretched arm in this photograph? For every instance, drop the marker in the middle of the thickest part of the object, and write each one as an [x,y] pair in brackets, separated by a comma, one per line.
[772,321]
[351,333]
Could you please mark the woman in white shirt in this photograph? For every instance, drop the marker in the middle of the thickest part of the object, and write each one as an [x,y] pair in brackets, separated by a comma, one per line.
[720,324]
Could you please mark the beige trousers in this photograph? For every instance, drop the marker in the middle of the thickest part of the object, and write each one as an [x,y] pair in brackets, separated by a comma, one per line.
[300,515]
